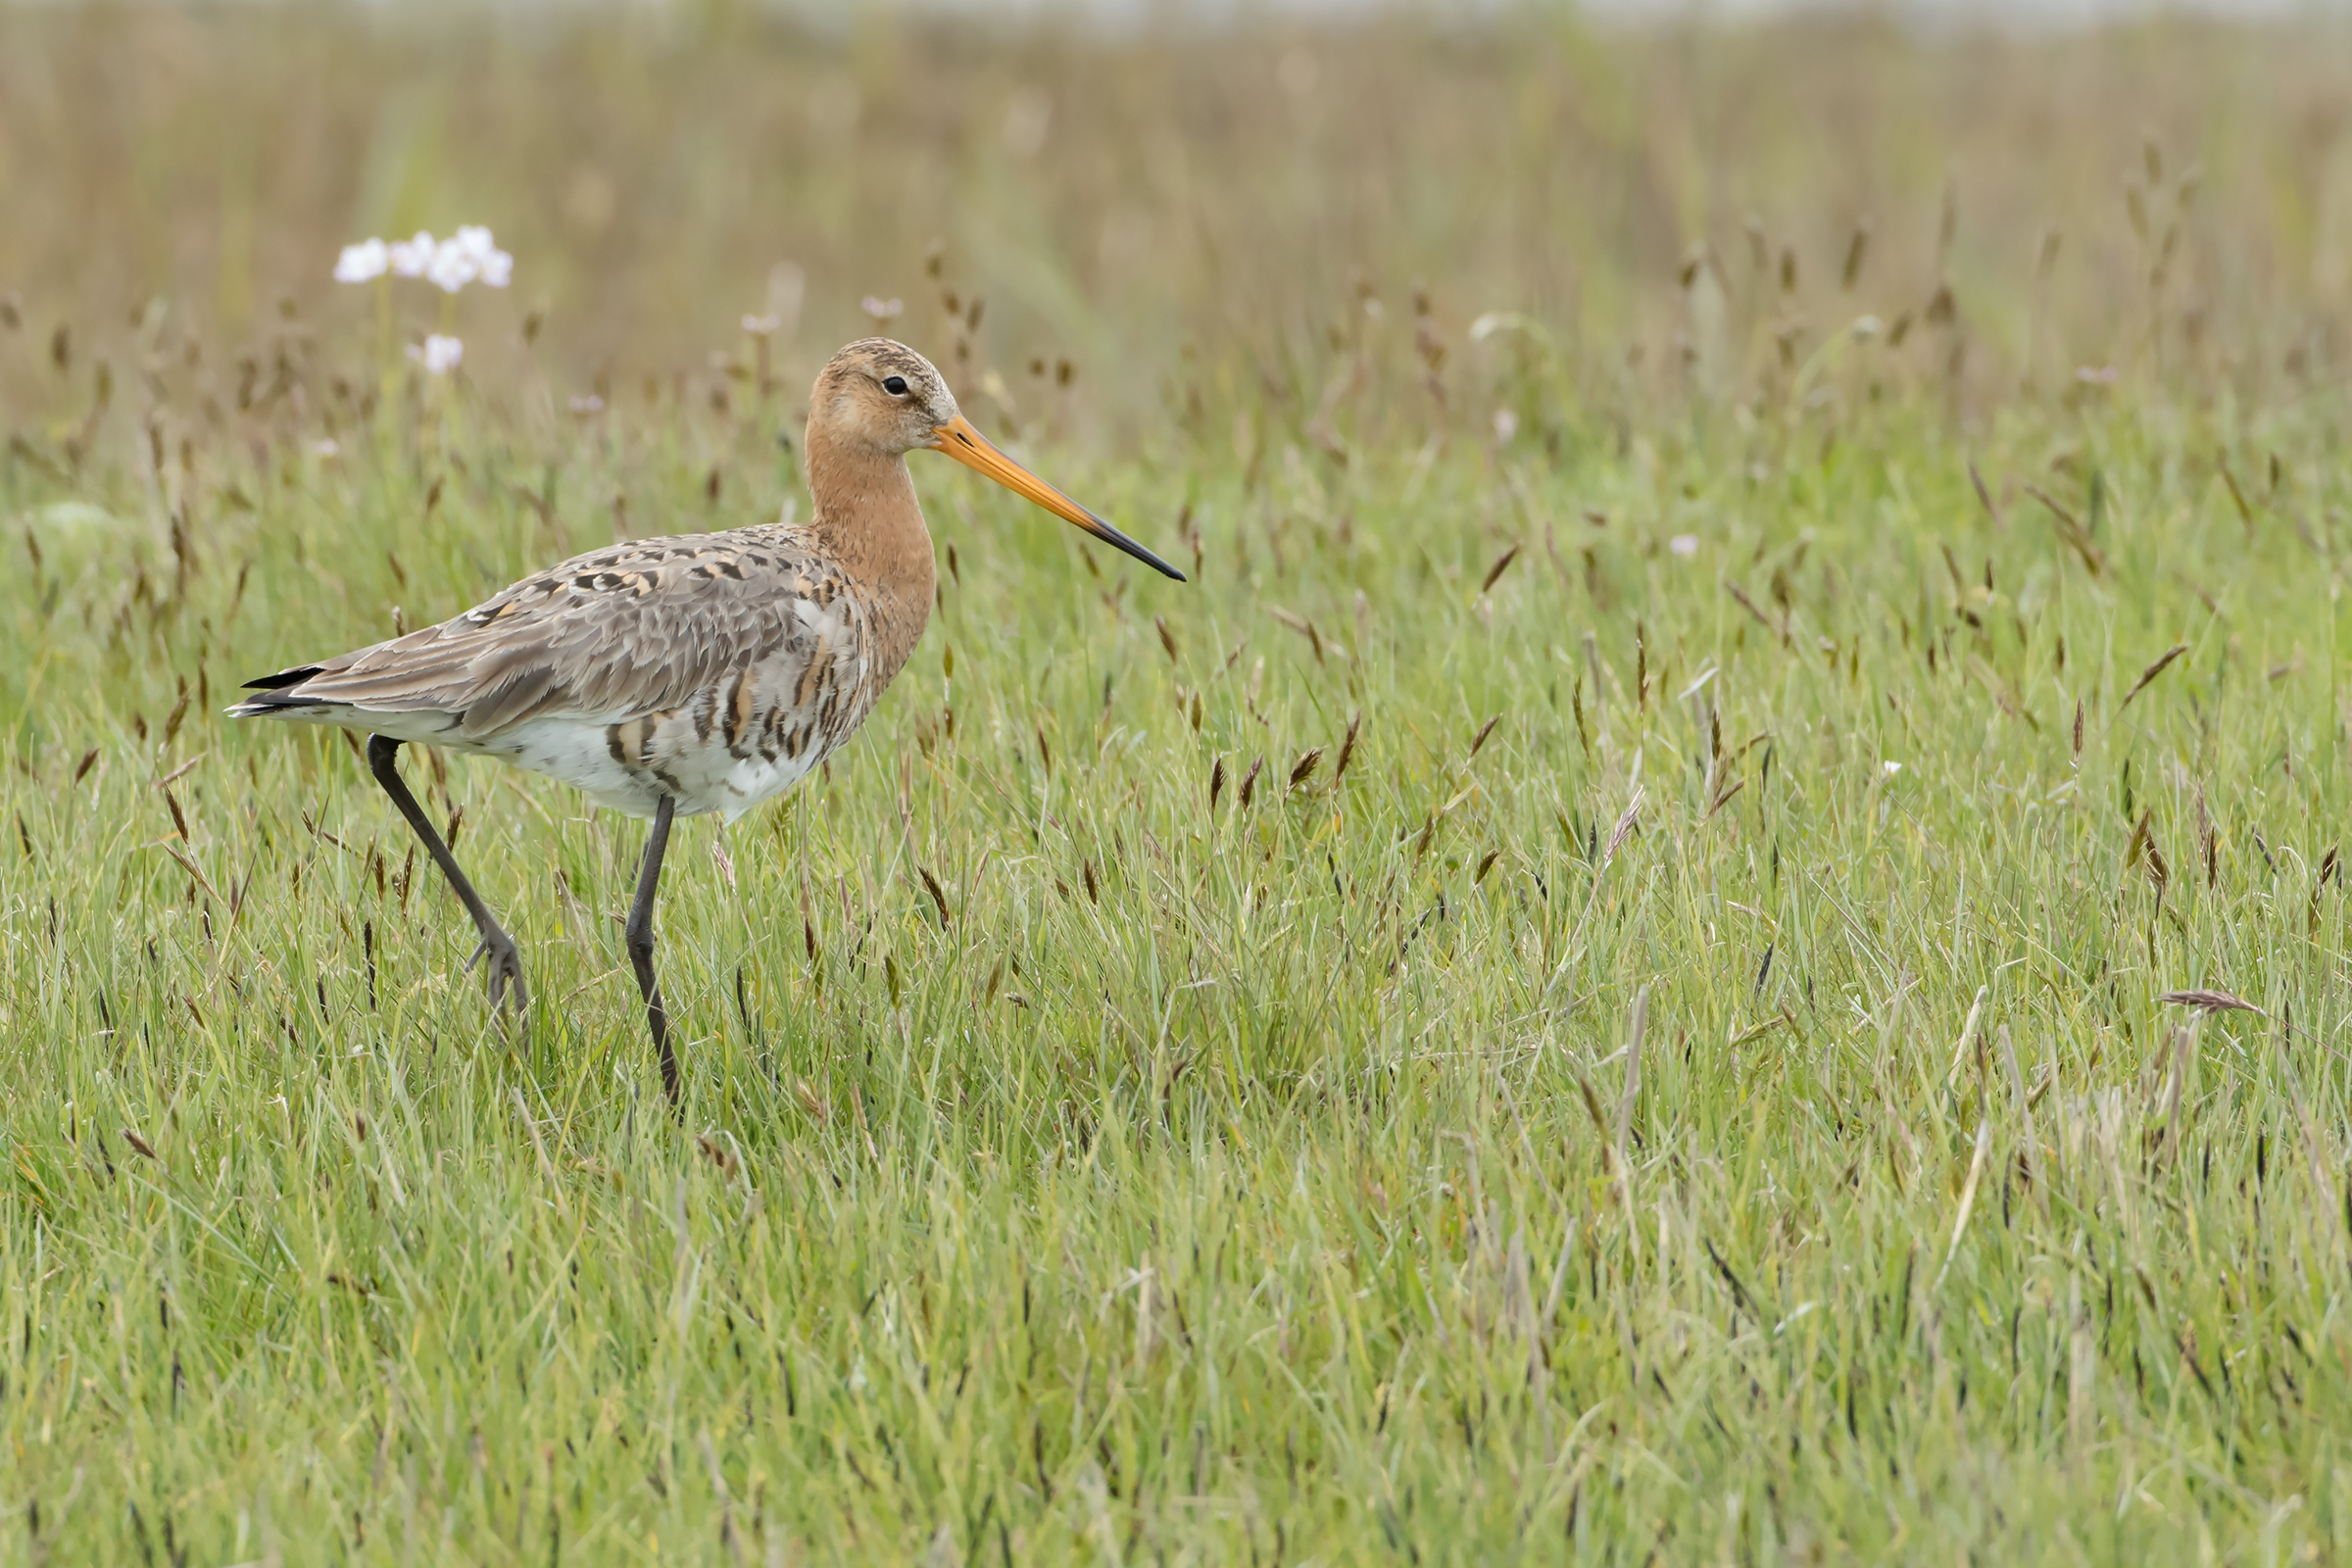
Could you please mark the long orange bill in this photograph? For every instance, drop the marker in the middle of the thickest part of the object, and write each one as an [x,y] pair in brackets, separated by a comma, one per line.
[967,446]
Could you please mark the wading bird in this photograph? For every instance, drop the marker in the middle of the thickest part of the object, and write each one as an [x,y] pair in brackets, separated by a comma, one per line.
[671,676]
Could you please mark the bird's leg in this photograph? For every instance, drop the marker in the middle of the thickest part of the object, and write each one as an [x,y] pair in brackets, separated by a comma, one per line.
[640,938]
[504,965]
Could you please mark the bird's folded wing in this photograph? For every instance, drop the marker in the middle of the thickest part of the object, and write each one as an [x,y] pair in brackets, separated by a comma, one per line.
[637,628]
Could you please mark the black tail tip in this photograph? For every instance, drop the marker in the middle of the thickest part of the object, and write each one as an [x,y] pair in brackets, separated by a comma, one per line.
[283,678]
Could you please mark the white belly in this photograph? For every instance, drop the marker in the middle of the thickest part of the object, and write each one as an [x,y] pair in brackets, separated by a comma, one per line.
[578,750]
[704,777]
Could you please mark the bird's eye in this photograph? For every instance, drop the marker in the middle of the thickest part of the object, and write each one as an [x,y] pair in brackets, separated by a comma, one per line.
[895,385]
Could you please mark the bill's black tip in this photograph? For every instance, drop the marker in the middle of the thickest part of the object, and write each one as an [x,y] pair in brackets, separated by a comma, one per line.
[1112,536]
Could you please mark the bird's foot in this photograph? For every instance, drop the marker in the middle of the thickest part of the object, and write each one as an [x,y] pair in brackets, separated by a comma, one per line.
[503,969]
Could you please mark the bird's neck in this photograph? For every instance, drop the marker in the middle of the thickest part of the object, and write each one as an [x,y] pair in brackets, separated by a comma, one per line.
[866,519]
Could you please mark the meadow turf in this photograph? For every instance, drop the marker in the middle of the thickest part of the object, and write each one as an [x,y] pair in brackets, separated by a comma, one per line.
[1681,1068]
[1591,989]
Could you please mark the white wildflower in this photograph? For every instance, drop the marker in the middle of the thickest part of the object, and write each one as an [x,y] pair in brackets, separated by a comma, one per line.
[882,309]
[491,264]
[451,267]
[1685,545]
[437,354]
[410,257]
[360,262]
[472,239]
[1892,768]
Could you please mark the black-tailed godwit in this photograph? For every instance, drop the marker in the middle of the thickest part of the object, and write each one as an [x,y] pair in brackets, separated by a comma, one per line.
[671,676]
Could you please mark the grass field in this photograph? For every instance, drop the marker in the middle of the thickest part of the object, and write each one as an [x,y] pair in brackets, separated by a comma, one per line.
[1589,992]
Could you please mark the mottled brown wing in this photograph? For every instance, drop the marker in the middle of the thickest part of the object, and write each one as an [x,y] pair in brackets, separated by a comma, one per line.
[613,633]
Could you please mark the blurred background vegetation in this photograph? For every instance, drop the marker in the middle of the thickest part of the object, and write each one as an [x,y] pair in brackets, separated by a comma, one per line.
[1297,217]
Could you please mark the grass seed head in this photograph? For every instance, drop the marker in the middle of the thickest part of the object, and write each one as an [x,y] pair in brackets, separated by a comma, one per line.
[1339,769]
[1857,250]
[1502,565]
[2163,663]
[2210,1001]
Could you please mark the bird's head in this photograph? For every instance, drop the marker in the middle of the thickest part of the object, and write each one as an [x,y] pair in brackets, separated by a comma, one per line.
[882,396]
